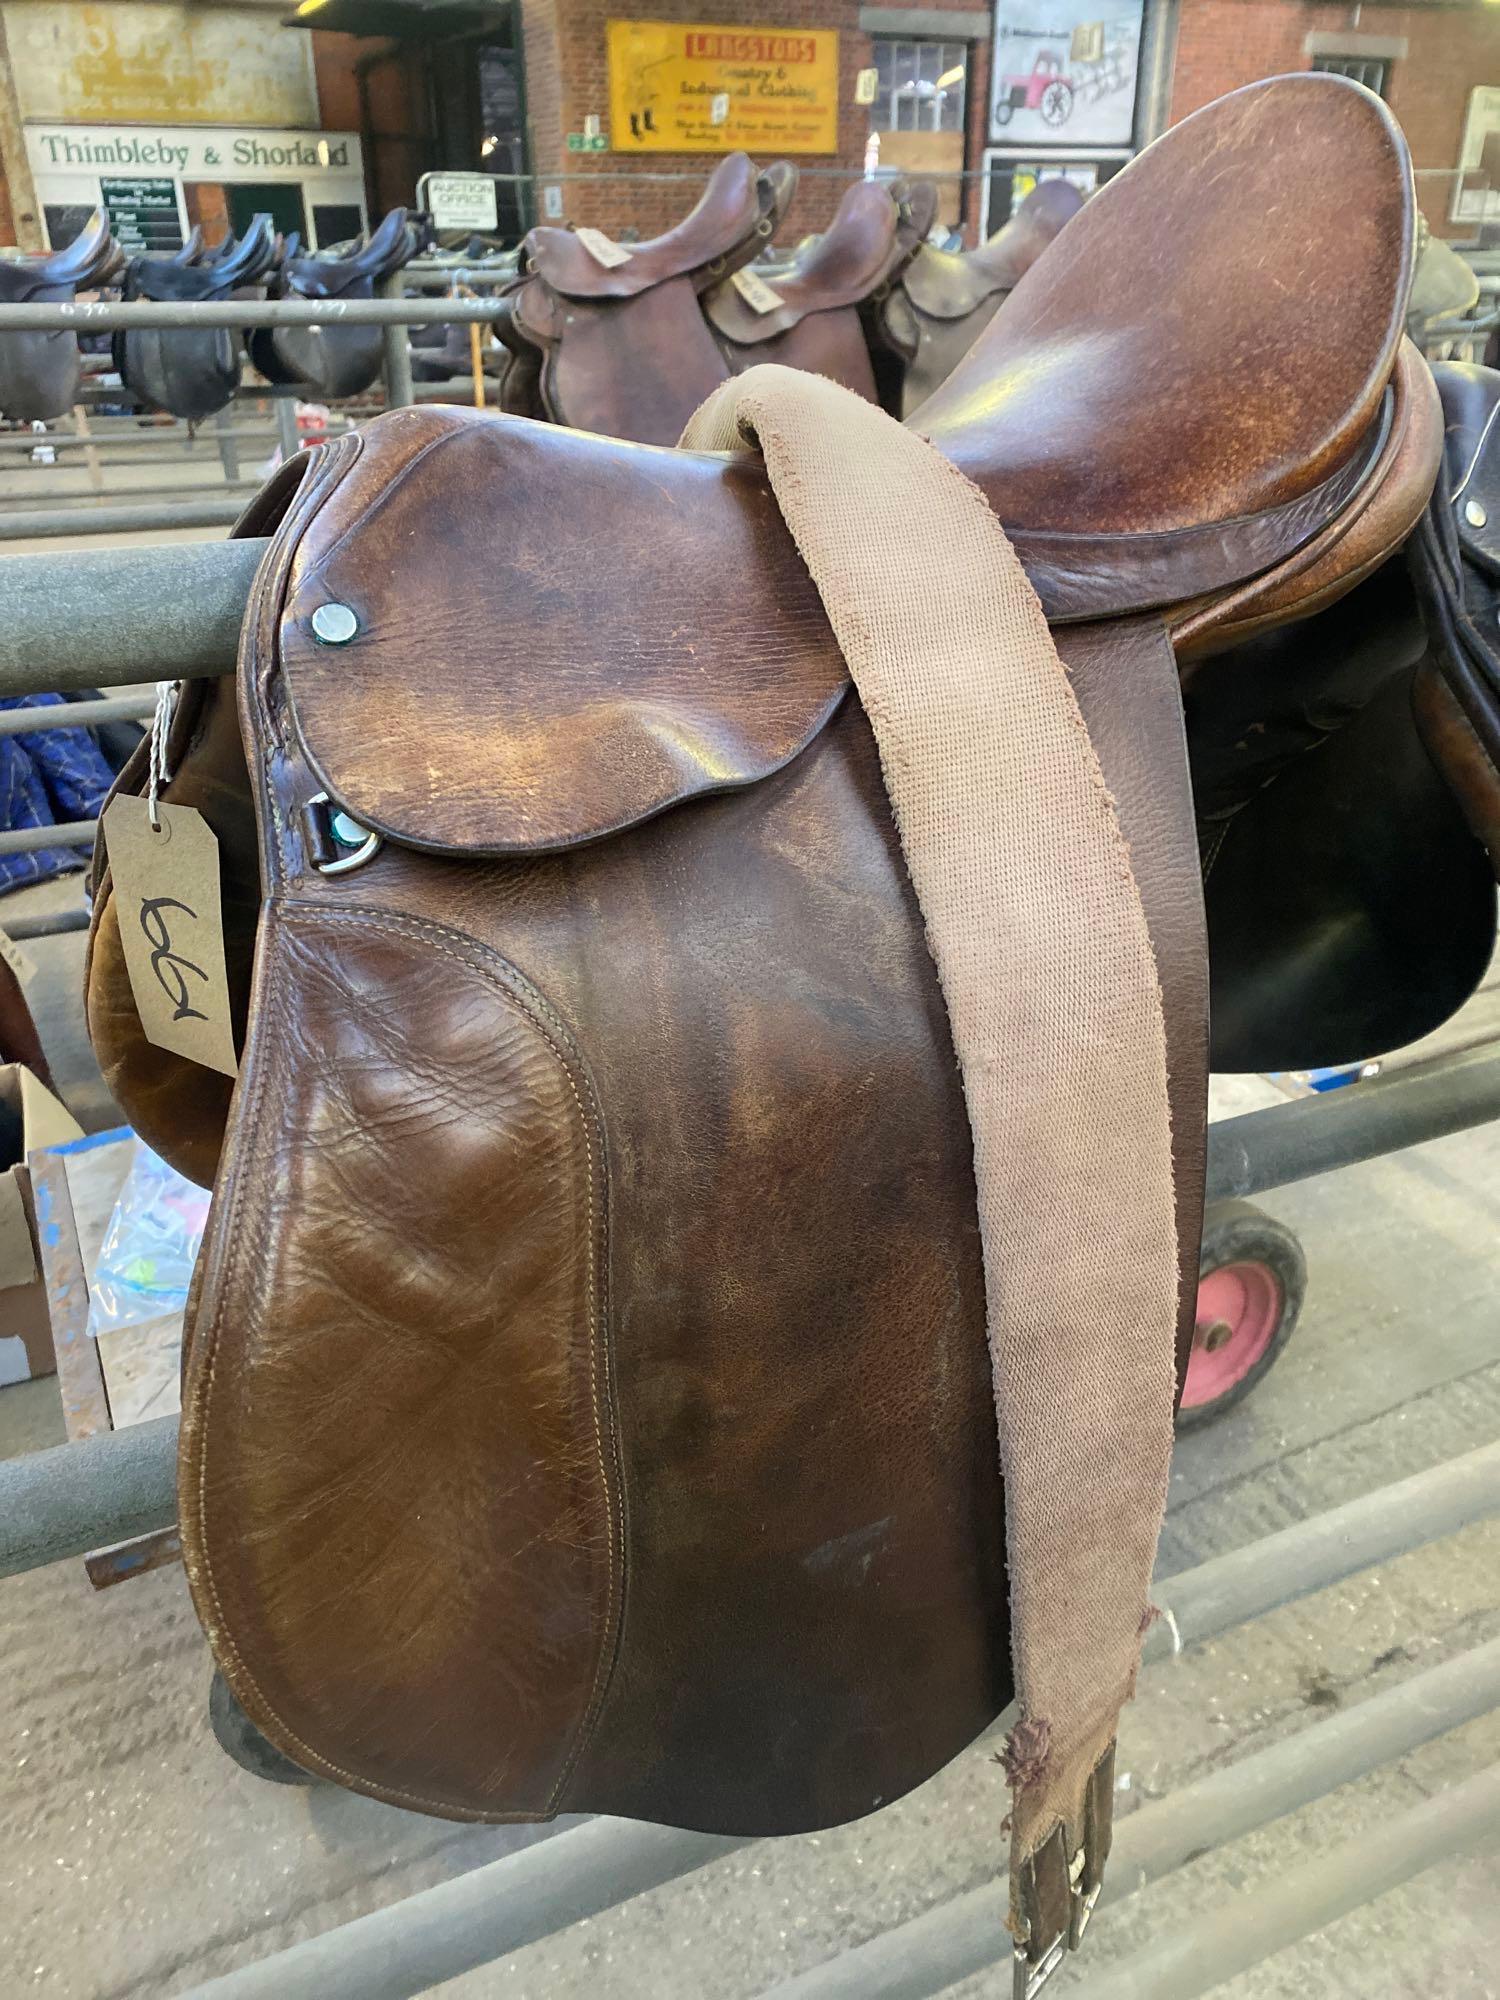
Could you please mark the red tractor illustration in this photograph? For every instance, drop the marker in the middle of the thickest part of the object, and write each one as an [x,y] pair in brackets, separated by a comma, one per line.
[1046,90]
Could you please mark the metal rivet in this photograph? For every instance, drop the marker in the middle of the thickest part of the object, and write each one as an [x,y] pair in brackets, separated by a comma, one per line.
[347,831]
[1474,514]
[334,624]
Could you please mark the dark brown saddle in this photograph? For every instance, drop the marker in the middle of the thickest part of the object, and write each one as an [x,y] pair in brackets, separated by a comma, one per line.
[944,299]
[39,372]
[812,313]
[1457,565]
[587,1404]
[334,361]
[609,337]
[191,371]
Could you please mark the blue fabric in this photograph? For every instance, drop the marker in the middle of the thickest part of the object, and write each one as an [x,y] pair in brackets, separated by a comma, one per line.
[47,775]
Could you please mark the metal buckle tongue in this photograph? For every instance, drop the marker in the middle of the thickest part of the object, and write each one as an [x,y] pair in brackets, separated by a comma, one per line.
[1058,1891]
[337,842]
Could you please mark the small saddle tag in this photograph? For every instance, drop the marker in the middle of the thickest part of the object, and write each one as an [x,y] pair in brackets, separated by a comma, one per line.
[757,294]
[166,890]
[603,249]
[23,967]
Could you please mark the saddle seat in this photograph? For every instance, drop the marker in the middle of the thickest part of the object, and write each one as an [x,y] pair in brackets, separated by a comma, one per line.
[624,348]
[215,276]
[313,276]
[952,284]
[60,272]
[811,315]
[731,213]
[842,267]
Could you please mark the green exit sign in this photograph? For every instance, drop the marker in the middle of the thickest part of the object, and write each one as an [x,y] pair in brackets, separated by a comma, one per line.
[587,142]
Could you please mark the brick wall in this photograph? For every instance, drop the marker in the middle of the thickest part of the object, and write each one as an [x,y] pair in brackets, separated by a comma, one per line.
[1224,43]
[395,146]
[567,77]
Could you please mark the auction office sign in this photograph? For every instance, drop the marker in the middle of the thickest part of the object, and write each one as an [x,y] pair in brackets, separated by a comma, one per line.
[683,87]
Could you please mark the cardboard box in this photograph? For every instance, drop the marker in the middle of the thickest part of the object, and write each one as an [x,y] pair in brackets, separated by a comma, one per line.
[30,1117]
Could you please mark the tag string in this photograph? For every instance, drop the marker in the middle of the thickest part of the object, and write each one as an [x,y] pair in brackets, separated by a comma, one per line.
[157,773]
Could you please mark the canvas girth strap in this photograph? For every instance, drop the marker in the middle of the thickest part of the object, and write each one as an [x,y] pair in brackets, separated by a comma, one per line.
[1035,923]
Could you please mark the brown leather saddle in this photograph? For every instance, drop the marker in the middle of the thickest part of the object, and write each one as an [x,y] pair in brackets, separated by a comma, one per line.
[587,1404]
[39,372]
[609,337]
[944,299]
[812,313]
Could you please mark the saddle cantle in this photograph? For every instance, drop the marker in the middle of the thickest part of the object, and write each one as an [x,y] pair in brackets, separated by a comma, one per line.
[39,372]
[334,361]
[587,1405]
[812,314]
[610,338]
[944,299]
[190,371]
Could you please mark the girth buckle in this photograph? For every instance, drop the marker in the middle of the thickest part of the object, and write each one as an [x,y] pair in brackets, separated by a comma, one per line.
[337,843]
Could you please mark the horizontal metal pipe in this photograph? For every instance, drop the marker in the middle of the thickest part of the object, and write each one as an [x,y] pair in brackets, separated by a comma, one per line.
[1324,1549]
[1199,1956]
[965,1935]
[130,520]
[76,1497]
[85,318]
[76,715]
[82,620]
[155,438]
[479,1917]
[80,503]
[65,833]
[1312,1135]
[47,923]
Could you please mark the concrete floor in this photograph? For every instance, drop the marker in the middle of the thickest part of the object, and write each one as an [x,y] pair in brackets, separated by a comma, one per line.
[136,1861]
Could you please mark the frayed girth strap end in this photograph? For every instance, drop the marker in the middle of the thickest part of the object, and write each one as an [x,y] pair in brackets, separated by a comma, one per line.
[1054,1883]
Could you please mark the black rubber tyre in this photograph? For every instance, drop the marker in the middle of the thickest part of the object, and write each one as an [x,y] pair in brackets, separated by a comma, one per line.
[238,1738]
[1252,1280]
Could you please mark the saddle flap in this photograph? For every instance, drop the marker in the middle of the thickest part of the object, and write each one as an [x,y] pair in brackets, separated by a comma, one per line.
[562,675]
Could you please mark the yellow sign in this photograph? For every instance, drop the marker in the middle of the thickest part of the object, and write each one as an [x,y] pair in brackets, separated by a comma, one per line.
[669,79]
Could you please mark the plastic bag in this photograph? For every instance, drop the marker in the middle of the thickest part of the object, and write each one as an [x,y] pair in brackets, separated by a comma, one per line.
[150,1247]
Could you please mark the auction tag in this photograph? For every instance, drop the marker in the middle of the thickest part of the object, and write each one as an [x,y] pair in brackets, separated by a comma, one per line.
[756,293]
[23,967]
[603,249]
[166,890]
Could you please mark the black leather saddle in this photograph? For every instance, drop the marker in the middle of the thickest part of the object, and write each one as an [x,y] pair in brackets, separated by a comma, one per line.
[191,371]
[334,361]
[39,371]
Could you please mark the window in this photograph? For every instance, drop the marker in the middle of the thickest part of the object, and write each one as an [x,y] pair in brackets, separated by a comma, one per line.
[919,86]
[1373,72]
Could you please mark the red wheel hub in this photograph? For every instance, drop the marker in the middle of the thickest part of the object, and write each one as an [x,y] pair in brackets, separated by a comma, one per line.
[1239,1308]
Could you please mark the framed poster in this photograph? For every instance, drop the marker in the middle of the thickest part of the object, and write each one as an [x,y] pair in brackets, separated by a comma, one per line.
[691,87]
[1064,72]
[1476,186]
